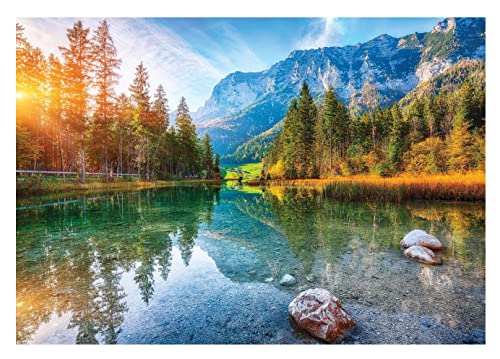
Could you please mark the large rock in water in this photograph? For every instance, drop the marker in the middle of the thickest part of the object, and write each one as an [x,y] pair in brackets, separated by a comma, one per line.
[288,280]
[321,314]
[418,237]
[422,254]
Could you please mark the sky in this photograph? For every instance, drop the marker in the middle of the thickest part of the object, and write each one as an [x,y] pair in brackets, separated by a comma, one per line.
[189,56]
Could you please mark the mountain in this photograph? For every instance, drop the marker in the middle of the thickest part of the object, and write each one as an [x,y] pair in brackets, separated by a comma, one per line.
[380,71]
[255,148]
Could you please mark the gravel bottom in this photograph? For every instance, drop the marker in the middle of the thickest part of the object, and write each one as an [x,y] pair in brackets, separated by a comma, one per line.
[256,313]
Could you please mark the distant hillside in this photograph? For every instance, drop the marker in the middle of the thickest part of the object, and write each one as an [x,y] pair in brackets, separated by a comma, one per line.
[380,71]
[449,81]
[256,148]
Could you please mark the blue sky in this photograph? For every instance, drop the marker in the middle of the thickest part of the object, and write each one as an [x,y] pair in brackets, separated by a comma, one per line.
[190,55]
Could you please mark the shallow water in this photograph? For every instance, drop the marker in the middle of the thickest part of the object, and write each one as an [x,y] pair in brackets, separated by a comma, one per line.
[202,265]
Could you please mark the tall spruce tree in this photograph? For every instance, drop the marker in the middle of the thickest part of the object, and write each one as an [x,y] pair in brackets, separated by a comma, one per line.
[207,161]
[307,117]
[187,142]
[139,90]
[158,129]
[105,66]
[77,69]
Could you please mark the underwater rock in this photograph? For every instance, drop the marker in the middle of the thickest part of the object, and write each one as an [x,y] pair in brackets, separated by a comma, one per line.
[288,280]
[310,278]
[418,237]
[422,254]
[321,314]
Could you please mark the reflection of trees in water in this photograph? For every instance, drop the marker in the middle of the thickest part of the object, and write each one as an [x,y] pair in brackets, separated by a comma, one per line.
[315,224]
[460,226]
[71,260]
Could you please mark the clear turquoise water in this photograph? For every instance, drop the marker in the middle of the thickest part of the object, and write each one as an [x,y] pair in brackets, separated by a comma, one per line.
[202,264]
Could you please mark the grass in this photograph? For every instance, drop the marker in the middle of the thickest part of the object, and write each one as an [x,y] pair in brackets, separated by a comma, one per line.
[42,185]
[250,171]
[368,188]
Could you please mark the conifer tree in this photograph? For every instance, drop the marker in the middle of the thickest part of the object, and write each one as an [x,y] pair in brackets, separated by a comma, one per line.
[139,90]
[158,129]
[207,157]
[77,69]
[55,107]
[307,117]
[105,66]
[395,145]
[217,169]
[187,141]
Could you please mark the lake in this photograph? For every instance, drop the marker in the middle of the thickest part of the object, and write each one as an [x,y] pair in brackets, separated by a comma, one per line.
[202,264]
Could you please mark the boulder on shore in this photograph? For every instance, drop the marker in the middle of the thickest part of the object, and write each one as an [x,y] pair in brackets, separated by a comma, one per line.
[418,237]
[321,314]
[422,254]
[288,280]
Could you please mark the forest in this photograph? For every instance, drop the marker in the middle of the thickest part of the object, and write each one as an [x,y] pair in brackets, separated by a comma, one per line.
[69,117]
[438,128]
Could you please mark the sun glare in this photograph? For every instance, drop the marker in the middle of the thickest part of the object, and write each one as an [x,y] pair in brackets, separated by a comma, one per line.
[19,95]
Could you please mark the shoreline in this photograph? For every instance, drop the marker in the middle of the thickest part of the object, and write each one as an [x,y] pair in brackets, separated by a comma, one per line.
[369,188]
[55,186]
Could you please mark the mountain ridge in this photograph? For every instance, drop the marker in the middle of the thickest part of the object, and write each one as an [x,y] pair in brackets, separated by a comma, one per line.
[379,71]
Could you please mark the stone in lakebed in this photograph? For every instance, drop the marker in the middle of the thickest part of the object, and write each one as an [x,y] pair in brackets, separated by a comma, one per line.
[321,314]
[310,278]
[418,237]
[422,254]
[288,280]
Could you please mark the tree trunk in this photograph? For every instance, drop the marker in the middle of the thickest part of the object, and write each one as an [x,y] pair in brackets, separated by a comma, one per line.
[83,161]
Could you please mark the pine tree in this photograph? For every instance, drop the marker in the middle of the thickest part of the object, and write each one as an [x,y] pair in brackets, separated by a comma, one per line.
[208,157]
[105,65]
[160,109]
[77,68]
[307,116]
[187,142]
[55,107]
[217,169]
[139,90]
[395,146]
[158,130]
[123,131]
[291,142]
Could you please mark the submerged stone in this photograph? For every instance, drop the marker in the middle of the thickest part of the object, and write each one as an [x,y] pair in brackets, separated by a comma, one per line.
[422,254]
[418,237]
[321,314]
[288,280]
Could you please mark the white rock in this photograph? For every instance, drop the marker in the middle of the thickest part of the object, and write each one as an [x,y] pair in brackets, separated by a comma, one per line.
[422,254]
[418,237]
[288,280]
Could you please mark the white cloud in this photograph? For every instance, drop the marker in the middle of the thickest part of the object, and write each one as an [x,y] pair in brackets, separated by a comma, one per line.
[322,33]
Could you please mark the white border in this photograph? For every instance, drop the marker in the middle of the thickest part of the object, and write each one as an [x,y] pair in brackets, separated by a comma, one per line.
[234,8]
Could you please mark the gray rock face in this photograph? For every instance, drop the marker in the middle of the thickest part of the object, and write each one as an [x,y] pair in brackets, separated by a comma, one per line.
[288,280]
[390,66]
[418,237]
[321,314]
[422,254]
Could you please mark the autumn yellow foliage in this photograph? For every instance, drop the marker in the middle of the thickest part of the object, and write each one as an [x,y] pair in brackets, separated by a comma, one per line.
[470,186]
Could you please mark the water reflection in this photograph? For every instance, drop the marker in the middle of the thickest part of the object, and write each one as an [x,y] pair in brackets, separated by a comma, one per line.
[72,256]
